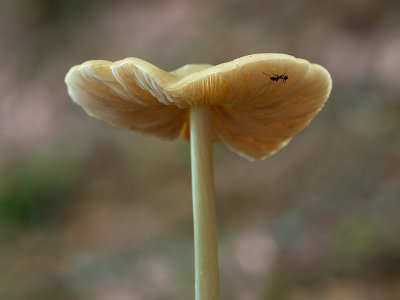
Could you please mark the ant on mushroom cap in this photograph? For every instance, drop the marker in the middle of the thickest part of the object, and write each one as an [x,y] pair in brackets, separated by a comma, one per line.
[276,77]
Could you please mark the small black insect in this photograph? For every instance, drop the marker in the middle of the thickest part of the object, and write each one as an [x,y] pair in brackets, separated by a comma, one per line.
[276,77]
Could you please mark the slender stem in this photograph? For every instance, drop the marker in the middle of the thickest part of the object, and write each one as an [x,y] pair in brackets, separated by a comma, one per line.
[204,213]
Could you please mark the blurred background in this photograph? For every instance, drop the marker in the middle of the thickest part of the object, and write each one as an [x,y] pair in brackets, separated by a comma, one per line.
[91,212]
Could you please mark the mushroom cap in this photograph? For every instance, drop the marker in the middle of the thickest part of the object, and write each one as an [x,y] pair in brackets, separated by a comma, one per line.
[252,113]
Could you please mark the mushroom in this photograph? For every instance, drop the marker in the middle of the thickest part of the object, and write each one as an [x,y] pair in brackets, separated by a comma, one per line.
[253,105]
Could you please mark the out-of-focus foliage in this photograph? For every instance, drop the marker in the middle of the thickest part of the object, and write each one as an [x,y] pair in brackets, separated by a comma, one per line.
[32,190]
[91,212]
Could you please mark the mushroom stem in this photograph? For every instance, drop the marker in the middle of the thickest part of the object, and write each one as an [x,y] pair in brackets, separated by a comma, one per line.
[204,212]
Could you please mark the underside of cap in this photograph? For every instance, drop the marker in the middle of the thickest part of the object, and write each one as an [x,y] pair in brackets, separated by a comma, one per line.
[257,102]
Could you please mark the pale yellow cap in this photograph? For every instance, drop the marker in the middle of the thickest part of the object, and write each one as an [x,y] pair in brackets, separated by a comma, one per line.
[250,113]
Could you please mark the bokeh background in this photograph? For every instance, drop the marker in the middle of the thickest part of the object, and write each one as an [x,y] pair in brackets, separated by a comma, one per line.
[91,212]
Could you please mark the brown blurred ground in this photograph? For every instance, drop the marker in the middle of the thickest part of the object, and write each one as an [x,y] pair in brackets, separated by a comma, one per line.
[90,212]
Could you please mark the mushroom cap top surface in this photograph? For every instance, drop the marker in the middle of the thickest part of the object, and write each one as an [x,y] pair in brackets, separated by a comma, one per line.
[257,102]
